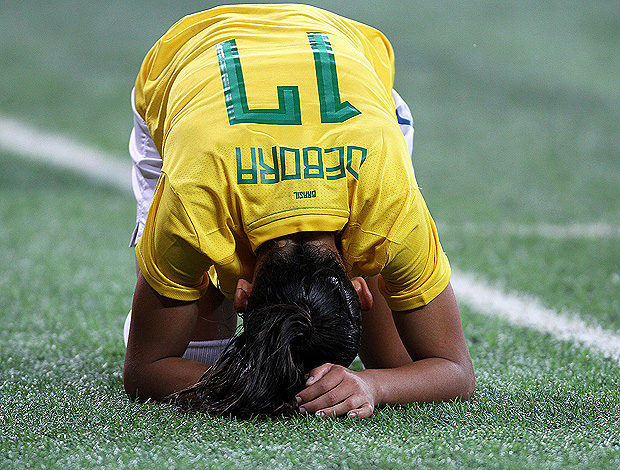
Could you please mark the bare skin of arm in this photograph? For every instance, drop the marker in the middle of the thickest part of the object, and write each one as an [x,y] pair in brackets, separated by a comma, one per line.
[414,356]
[161,329]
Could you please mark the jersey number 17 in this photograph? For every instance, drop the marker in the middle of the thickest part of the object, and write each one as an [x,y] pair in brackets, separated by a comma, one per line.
[289,110]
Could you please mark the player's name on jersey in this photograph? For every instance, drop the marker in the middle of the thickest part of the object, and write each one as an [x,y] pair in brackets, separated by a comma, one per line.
[258,166]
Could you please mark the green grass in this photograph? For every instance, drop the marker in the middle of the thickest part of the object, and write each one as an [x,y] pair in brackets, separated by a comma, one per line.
[517,122]
[516,104]
[539,404]
[63,249]
[577,275]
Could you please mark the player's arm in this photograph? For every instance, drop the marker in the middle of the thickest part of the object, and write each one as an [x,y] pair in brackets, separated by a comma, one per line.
[161,329]
[440,366]
[414,356]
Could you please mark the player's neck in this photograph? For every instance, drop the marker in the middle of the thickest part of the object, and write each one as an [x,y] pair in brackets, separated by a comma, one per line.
[320,239]
[323,240]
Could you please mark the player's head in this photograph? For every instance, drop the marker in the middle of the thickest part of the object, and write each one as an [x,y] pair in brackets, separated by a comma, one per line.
[302,312]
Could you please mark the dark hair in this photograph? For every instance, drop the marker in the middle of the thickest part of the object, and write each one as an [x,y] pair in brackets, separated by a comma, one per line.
[303,312]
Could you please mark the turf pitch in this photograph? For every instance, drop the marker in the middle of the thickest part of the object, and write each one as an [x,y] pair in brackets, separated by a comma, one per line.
[517,122]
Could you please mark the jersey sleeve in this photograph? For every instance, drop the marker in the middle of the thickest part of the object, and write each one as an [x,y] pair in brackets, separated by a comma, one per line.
[168,252]
[417,269]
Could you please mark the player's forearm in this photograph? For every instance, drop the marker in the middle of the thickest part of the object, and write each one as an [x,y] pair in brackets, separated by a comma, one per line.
[426,380]
[161,378]
[161,329]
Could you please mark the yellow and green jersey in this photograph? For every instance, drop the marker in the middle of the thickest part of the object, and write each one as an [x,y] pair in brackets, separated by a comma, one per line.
[271,120]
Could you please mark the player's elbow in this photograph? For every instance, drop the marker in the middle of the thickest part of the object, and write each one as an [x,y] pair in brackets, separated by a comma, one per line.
[469,389]
[130,383]
[467,381]
[133,380]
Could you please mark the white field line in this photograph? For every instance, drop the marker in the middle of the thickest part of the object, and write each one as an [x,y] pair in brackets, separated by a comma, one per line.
[600,230]
[516,308]
[61,151]
[524,310]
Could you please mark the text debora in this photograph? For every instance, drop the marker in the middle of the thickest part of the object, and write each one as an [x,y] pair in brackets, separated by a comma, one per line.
[286,163]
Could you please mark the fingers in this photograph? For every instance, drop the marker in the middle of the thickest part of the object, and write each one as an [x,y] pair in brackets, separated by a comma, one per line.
[321,381]
[318,373]
[333,390]
[364,411]
[352,407]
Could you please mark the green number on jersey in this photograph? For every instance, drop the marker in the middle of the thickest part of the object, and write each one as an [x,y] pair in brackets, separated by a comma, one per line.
[289,110]
[332,110]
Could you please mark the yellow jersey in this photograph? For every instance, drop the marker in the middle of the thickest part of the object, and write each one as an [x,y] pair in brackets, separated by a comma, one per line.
[272,120]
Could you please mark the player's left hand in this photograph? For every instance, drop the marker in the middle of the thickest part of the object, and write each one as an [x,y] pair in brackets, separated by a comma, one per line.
[333,390]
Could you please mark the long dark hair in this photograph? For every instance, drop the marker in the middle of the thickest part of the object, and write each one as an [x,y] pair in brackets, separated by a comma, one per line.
[302,312]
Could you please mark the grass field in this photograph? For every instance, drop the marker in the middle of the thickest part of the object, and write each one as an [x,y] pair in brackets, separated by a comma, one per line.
[517,111]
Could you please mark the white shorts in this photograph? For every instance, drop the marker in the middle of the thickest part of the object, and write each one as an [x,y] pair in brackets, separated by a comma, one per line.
[146,169]
[147,162]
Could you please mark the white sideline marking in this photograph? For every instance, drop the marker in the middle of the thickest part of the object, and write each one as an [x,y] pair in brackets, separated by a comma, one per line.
[516,308]
[61,151]
[523,310]
[599,230]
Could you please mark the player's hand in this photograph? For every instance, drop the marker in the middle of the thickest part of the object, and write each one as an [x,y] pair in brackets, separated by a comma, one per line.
[333,390]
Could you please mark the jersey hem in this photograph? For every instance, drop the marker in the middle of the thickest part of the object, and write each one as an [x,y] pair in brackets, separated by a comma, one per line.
[421,300]
[184,294]
[277,225]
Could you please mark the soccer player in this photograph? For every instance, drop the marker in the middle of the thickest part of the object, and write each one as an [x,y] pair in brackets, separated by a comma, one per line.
[285,192]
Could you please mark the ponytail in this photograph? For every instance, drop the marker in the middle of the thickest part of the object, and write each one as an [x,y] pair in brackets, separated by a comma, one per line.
[259,372]
[315,319]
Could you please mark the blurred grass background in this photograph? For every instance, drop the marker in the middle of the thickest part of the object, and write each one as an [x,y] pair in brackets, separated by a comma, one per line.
[516,104]
[517,112]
